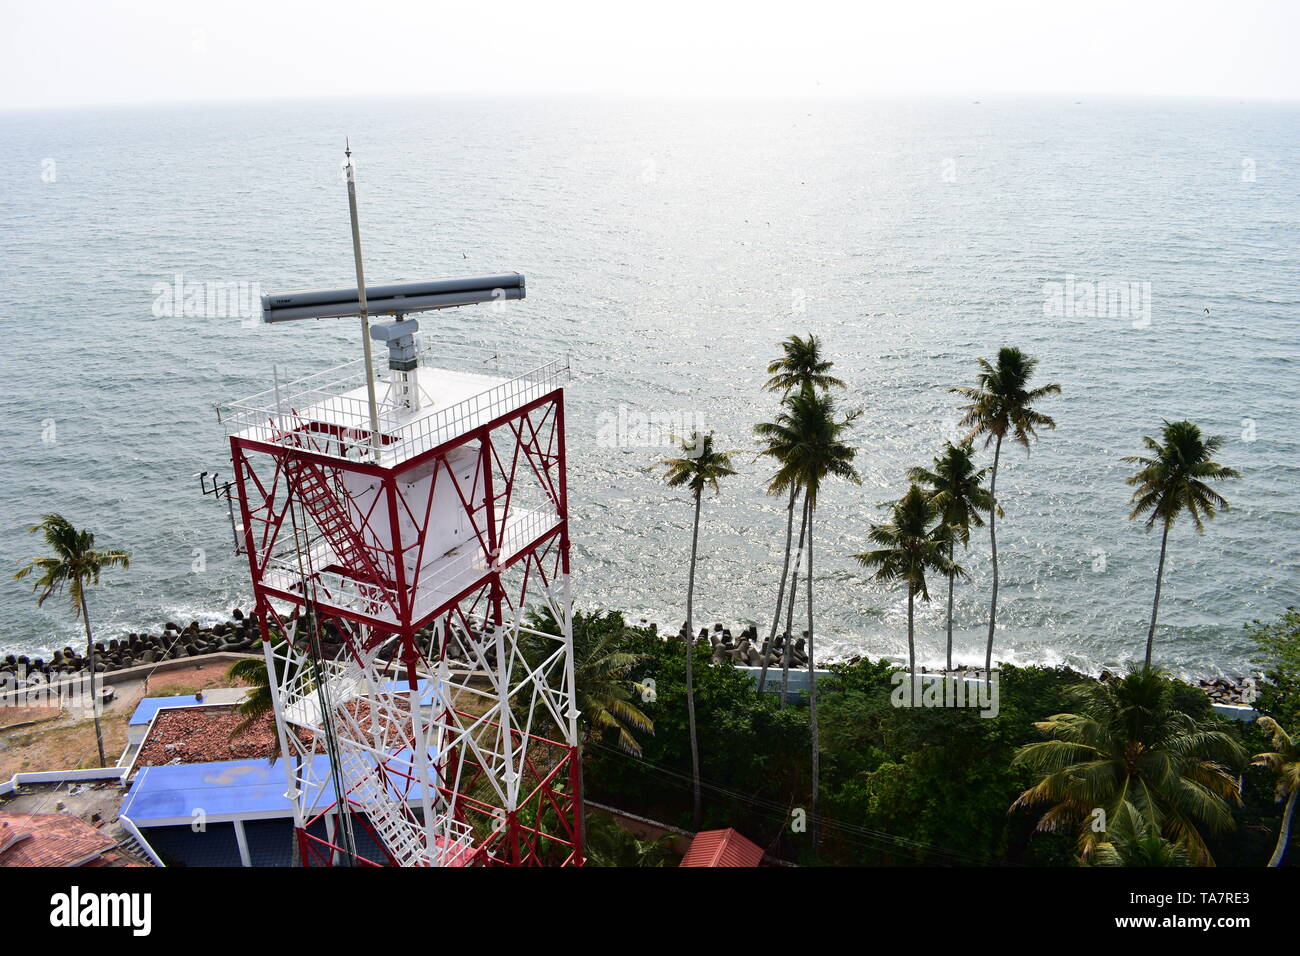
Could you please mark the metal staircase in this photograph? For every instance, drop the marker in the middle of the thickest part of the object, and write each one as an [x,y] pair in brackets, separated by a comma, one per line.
[387,812]
[313,489]
[402,834]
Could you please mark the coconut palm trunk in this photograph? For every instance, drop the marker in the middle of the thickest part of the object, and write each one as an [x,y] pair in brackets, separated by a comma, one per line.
[94,697]
[911,644]
[1155,605]
[952,581]
[1284,834]
[812,685]
[787,647]
[700,466]
[780,594]
[698,812]
[993,546]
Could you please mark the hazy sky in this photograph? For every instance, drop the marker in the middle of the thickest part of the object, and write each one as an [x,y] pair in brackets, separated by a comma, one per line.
[113,51]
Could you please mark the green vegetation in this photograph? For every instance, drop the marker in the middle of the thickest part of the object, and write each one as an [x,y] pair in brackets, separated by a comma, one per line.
[75,565]
[601,664]
[252,671]
[1283,760]
[1135,842]
[930,786]
[747,746]
[608,844]
[1279,660]
[1130,762]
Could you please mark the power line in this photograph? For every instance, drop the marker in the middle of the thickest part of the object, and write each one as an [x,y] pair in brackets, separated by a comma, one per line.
[781,811]
[774,811]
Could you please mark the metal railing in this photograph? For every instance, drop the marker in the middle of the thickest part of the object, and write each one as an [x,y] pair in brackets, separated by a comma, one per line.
[319,407]
[524,526]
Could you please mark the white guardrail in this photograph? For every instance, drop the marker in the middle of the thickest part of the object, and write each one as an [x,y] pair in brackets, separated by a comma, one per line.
[279,415]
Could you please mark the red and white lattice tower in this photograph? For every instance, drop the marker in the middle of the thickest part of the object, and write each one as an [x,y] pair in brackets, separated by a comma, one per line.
[394,571]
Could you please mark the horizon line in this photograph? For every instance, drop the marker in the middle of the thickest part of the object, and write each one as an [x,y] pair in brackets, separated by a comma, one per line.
[973,97]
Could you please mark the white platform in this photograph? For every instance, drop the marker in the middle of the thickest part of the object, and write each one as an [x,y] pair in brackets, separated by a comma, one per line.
[441,578]
[334,404]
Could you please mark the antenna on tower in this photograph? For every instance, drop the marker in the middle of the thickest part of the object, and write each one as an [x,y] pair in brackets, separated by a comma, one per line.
[361,297]
[401,300]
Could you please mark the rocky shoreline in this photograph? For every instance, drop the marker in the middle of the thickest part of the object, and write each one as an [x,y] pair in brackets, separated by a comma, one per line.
[240,634]
[746,650]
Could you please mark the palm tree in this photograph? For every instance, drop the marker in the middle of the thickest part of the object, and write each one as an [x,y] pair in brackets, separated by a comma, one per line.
[257,702]
[801,366]
[1131,755]
[808,441]
[806,417]
[1146,851]
[1285,762]
[1001,404]
[75,564]
[608,844]
[600,669]
[1173,481]
[699,467]
[910,548]
[957,490]
[1135,843]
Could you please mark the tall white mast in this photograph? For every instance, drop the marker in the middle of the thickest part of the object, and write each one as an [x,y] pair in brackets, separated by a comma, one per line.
[361,292]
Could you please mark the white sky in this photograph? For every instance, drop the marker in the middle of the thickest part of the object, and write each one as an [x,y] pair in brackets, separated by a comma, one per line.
[70,52]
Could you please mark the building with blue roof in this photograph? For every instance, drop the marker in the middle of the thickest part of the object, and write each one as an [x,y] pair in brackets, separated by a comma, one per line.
[233,812]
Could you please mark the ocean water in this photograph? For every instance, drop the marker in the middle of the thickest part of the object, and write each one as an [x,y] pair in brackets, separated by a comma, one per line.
[668,247]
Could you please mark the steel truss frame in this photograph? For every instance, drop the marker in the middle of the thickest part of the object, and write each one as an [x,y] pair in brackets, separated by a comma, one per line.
[454,721]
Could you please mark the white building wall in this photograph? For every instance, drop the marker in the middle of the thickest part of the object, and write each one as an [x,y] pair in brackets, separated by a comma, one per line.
[449,527]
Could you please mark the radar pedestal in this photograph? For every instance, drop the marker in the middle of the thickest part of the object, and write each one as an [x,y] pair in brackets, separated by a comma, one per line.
[402,360]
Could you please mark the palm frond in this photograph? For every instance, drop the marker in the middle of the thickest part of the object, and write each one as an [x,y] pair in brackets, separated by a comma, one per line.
[1172,482]
[1001,402]
[1158,774]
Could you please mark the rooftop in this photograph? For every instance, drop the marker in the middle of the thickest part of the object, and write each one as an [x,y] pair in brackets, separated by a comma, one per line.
[149,706]
[50,839]
[206,734]
[221,790]
[722,848]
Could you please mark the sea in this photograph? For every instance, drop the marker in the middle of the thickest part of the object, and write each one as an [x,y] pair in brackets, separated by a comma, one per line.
[1144,251]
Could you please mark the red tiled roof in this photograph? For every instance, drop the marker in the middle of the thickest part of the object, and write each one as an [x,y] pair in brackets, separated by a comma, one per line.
[721,848]
[49,839]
